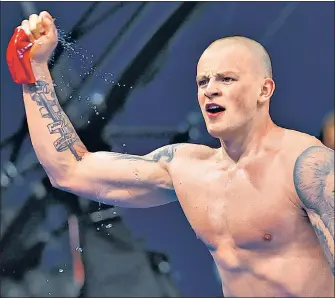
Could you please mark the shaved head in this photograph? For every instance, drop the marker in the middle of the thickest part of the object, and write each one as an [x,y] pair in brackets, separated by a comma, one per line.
[234,73]
[254,47]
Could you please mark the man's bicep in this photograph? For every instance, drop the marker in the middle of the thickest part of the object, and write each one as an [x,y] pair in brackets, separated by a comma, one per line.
[164,154]
[314,182]
[125,179]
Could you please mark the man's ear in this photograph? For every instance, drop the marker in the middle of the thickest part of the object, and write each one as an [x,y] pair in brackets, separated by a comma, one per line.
[267,90]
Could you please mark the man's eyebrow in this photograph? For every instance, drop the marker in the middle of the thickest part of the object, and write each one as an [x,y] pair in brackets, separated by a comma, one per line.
[201,76]
[217,75]
[226,73]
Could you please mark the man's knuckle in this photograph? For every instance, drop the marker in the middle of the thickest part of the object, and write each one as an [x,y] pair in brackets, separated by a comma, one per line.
[32,16]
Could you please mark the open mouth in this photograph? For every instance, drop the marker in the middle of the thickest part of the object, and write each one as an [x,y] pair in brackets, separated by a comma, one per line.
[213,108]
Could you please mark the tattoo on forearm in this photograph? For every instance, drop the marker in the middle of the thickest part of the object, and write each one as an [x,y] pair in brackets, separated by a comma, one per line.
[314,182]
[45,97]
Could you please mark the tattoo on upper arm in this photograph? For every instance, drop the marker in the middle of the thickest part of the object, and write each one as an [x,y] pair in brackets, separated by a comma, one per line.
[165,153]
[45,97]
[314,182]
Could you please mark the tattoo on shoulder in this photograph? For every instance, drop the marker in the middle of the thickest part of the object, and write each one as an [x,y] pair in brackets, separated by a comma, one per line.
[314,182]
[313,171]
[46,99]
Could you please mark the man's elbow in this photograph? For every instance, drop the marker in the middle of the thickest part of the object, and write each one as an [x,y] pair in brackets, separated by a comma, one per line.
[61,184]
[62,177]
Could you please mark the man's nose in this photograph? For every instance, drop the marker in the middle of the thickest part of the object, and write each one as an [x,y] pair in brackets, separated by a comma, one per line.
[212,91]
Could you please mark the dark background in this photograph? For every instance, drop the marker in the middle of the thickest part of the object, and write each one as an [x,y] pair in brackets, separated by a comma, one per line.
[298,35]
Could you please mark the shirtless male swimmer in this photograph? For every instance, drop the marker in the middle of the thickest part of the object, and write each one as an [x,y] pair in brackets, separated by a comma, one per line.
[263,203]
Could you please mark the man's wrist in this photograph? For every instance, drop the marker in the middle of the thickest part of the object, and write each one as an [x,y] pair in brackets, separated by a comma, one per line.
[41,71]
[39,65]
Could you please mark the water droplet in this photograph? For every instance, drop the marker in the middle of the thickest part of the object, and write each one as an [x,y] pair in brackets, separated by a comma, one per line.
[79,249]
[97,113]
[109,226]
[102,118]
[124,145]
[74,51]
[88,121]
[98,229]
[60,270]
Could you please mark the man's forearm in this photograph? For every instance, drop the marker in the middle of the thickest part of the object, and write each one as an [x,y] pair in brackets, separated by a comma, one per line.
[54,139]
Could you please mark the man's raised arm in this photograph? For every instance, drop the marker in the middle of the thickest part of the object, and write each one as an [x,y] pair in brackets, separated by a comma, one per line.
[119,179]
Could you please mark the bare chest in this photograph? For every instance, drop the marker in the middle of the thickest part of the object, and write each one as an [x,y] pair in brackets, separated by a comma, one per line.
[246,208]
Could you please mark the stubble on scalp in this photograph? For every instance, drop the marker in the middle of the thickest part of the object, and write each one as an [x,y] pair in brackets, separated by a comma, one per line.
[255,48]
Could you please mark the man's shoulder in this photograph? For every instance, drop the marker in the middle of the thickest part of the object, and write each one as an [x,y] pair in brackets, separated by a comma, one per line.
[297,142]
[302,151]
[193,151]
[294,145]
[174,153]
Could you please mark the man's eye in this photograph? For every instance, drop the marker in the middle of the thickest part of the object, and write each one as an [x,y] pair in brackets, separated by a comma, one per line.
[227,79]
[202,82]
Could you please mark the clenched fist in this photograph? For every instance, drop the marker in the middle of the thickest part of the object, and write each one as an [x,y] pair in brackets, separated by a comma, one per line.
[42,32]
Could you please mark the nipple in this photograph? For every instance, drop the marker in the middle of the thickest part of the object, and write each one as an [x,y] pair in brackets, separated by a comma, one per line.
[267,237]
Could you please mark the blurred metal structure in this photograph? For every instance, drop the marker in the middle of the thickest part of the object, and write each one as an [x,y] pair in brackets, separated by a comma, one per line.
[115,247]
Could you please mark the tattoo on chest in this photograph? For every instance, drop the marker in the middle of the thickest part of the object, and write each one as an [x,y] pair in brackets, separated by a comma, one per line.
[46,99]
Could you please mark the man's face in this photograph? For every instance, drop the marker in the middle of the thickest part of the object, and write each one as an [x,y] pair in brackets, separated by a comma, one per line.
[228,76]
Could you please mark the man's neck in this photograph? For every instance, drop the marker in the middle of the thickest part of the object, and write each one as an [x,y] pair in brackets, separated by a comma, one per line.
[249,142]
